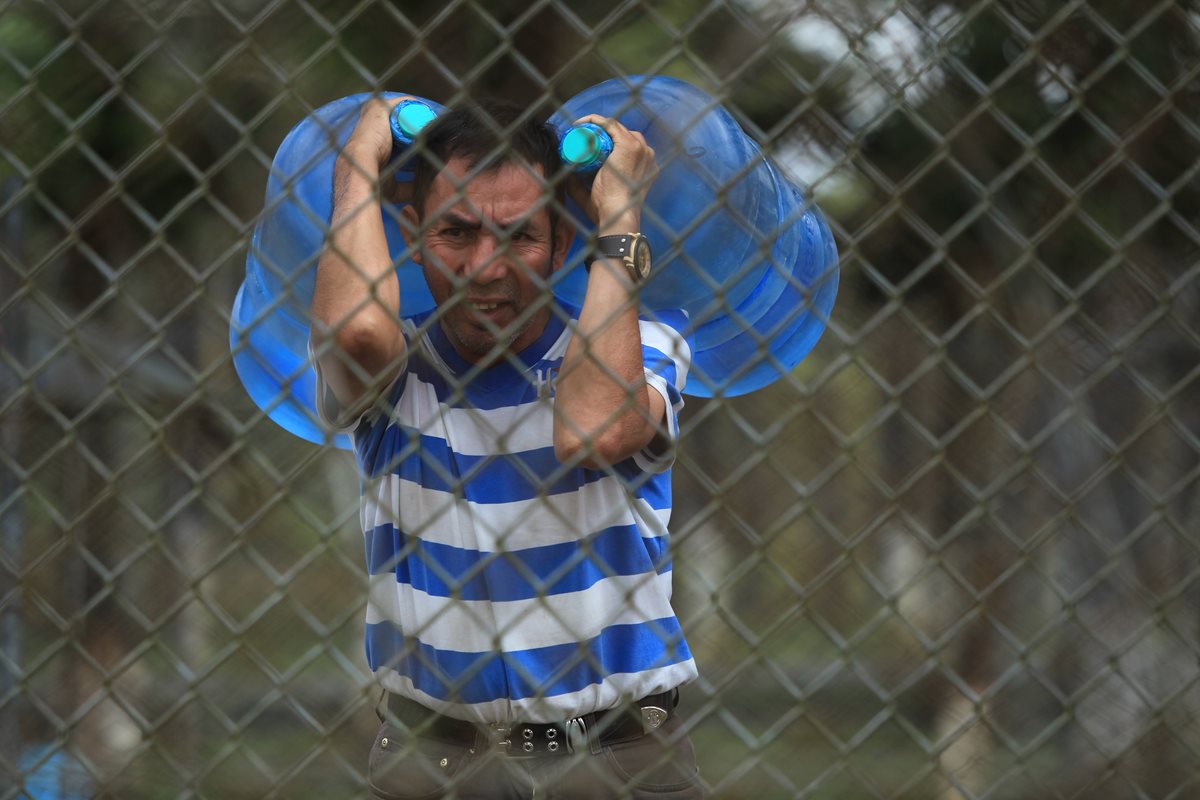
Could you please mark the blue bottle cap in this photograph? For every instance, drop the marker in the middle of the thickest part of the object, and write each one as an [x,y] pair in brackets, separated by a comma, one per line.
[585,147]
[408,118]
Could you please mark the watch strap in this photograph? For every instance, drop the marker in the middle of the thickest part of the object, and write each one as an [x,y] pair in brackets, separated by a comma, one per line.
[612,246]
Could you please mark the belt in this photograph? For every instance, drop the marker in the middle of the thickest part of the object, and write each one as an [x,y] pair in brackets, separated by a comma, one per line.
[587,733]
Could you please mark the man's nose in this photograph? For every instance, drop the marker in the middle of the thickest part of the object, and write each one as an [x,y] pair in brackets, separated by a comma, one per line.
[488,261]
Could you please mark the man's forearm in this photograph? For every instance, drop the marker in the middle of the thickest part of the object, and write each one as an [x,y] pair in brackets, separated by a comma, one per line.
[356,299]
[604,411]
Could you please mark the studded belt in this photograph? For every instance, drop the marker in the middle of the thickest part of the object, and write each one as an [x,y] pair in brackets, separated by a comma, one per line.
[588,733]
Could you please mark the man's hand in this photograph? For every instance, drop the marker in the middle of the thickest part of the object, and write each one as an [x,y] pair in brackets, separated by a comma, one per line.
[614,199]
[370,145]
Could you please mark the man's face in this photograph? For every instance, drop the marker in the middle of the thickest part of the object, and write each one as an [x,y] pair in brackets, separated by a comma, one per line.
[487,253]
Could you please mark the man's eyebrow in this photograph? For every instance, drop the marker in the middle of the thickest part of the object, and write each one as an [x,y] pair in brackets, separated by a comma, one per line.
[519,225]
[456,220]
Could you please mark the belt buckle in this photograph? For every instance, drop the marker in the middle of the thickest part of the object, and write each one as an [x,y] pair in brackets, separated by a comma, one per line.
[498,733]
[652,718]
[577,735]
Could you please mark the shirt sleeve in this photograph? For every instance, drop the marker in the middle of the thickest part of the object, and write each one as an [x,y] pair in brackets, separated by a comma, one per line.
[347,420]
[666,358]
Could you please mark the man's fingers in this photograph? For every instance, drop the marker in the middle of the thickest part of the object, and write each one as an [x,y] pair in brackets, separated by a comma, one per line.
[621,184]
[611,125]
[625,140]
[374,128]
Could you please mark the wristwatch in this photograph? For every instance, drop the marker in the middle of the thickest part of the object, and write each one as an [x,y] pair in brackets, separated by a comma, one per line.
[633,249]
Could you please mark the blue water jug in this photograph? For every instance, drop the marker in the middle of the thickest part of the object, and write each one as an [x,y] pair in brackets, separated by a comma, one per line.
[270,320]
[736,244]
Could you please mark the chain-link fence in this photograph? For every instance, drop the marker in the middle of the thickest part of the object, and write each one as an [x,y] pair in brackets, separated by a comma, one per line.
[954,553]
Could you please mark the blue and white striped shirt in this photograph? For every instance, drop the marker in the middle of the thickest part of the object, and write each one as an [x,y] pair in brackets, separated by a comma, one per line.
[504,585]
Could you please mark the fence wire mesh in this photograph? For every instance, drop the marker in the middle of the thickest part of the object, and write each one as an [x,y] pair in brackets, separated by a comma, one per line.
[953,554]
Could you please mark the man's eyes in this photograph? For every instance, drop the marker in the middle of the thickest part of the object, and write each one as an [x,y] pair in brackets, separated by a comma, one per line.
[456,233]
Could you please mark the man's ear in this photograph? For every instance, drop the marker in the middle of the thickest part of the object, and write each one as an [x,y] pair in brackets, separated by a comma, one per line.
[410,228]
[564,233]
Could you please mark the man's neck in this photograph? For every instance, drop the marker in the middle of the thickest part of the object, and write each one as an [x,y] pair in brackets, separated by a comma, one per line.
[527,338]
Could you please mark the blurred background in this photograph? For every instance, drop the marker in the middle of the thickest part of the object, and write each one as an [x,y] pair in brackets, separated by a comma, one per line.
[954,554]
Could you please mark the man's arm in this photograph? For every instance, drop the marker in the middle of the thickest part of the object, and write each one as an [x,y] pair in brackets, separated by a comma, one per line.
[604,410]
[356,333]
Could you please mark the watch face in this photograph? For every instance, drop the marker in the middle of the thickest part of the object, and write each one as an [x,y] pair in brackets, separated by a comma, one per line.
[641,257]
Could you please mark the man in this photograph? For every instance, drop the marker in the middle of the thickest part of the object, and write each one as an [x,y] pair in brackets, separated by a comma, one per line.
[516,456]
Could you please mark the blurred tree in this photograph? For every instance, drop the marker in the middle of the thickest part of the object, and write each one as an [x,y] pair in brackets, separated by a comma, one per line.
[1024,230]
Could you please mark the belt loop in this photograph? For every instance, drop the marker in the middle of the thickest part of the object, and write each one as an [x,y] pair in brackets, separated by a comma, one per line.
[380,705]
[593,734]
[483,740]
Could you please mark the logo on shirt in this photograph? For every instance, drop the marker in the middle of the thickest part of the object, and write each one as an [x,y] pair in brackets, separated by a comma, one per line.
[544,380]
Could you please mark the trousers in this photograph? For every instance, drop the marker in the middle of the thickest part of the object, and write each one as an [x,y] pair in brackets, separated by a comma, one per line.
[661,764]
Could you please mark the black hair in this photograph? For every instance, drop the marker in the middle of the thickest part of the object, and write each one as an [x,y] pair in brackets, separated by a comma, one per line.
[487,135]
